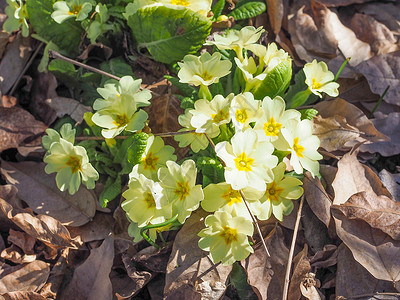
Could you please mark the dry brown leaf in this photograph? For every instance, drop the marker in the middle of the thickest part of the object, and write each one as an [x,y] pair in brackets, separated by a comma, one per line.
[353,116]
[382,71]
[300,269]
[390,126]
[98,229]
[355,90]
[22,240]
[17,256]
[392,183]
[380,38]
[17,126]
[13,62]
[275,11]
[325,258]
[8,192]
[8,101]
[266,274]
[352,279]
[30,277]
[91,279]
[123,286]
[67,106]
[4,39]
[42,227]
[40,192]
[22,296]
[317,198]
[190,271]
[336,3]
[353,177]
[372,248]
[378,211]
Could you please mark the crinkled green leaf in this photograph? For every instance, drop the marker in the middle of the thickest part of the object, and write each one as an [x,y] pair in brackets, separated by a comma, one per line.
[130,152]
[218,8]
[275,83]
[65,72]
[248,10]
[212,170]
[238,278]
[111,190]
[169,34]
[66,36]
[299,86]
[185,88]
[116,66]
[308,113]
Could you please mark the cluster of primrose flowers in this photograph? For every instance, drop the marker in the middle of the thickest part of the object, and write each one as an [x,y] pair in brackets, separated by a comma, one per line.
[17,17]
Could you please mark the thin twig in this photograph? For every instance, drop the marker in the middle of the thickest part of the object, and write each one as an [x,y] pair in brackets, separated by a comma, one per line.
[255,223]
[25,68]
[54,54]
[291,252]
[123,137]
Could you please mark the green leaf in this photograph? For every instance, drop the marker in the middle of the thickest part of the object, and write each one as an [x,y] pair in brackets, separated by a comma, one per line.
[186,102]
[308,114]
[116,66]
[169,34]
[275,83]
[212,170]
[66,36]
[111,190]
[65,72]
[238,278]
[185,88]
[218,8]
[248,10]
[130,152]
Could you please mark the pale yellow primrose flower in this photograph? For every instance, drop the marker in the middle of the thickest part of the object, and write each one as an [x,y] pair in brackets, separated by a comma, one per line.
[244,110]
[197,141]
[66,132]
[180,189]
[154,157]
[297,138]
[142,203]
[78,9]
[236,40]
[203,70]
[226,237]
[223,197]
[275,117]
[248,162]
[278,197]
[200,6]
[272,56]
[72,166]
[209,115]
[118,111]
[17,15]
[320,79]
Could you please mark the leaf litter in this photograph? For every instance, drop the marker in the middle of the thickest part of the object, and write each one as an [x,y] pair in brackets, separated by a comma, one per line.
[58,245]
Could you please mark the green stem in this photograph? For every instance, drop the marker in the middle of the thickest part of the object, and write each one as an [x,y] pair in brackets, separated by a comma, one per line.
[153,226]
[341,68]
[204,92]
[379,102]
[300,98]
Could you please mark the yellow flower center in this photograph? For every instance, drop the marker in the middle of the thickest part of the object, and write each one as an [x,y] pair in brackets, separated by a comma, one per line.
[121,120]
[232,196]
[229,235]
[241,115]
[220,116]
[150,161]
[76,9]
[149,199]
[180,2]
[75,163]
[316,85]
[272,128]
[243,163]
[297,148]
[182,190]
[205,74]
[273,192]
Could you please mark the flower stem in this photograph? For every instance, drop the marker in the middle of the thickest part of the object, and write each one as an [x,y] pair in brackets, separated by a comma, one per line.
[341,68]
[204,92]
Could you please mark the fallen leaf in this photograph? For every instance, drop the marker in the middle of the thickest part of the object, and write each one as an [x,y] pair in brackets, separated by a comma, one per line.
[42,227]
[40,192]
[139,277]
[325,258]
[301,267]
[123,286]
[13,62]
[155,288]
[22,240]
[372,248]
[189,266]
[155,261]
[4,39]
[356,90]
[352,279]
[336,3]
[345,119]
[317,198]
[17,126]
[390,126]
[91,279]
[29,277]
[382,71]
[275,11]
[352,177]
[22,296]
[369,30]
[98,229]
[67,106]
[8,192]
[16,255]
[267,274]
[378,211]
[8,101]
[391,182]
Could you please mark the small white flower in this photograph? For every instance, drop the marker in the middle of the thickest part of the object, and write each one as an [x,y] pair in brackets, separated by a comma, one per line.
[320,79]
[248,163]
[244,110]
[297,138]
[64,10]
